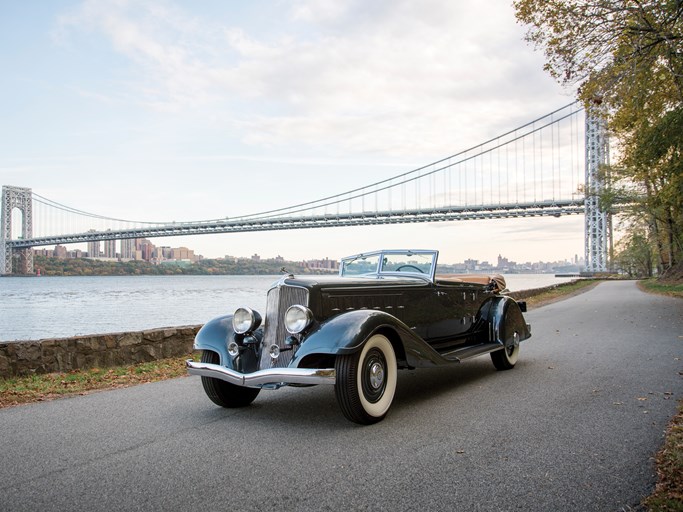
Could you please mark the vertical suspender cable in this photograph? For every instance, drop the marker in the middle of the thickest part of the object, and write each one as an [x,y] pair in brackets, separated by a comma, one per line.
[524,168]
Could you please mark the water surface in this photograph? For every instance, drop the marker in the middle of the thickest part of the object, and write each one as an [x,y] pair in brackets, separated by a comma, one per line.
[34,308]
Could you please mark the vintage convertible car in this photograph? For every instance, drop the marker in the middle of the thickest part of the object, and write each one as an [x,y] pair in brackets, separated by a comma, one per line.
[385,311]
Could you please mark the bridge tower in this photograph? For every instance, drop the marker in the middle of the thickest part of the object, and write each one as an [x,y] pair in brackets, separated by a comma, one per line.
[20,199]
[598,227]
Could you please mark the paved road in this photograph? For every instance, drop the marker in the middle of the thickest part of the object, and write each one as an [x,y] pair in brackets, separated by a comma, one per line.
[572,427]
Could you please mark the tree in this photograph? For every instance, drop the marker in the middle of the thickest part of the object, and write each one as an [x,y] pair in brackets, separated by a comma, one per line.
[654,159]
[628,54]
[635,256]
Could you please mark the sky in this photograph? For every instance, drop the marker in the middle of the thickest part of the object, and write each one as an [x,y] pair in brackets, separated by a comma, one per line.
[166,110]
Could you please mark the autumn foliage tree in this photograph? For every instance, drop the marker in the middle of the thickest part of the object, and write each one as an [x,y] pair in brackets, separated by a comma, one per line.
[629,55]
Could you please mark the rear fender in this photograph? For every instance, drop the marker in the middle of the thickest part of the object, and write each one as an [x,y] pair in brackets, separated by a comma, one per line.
[505,319]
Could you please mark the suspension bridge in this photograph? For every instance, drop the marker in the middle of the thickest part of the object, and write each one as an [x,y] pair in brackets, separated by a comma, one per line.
[547,167]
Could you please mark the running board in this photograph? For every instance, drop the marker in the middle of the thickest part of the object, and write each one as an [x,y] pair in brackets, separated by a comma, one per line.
[461,354]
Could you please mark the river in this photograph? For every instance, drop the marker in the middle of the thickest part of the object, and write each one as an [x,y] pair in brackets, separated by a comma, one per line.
[33,308]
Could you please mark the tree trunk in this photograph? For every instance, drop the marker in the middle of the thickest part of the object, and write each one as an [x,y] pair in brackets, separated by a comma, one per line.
[651,211]
[670,241]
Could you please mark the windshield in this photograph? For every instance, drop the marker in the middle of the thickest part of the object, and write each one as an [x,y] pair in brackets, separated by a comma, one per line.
[360,265]
[391,262]
[421,263]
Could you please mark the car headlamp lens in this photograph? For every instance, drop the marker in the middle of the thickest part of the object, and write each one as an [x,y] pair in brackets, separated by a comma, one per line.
[245,320]
[233,349]
[297,318]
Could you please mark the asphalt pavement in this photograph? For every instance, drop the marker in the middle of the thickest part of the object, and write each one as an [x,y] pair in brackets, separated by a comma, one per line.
[573,426]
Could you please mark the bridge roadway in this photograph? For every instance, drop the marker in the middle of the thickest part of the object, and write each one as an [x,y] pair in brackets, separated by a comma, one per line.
[246,224]
[573,427]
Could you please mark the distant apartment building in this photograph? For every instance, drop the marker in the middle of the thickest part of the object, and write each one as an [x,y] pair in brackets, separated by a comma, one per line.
[504,262]
[128,249]
[145,247]
[94,249]
[182,254]
[110,249]
[326,264]
[471,264]
[164,253]
[60,252]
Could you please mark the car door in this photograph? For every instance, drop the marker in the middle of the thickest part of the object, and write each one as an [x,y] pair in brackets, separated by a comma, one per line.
[454,311]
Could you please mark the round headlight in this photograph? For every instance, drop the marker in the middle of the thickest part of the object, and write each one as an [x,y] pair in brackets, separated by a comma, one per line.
[297,318]
[245,320]
[233,349]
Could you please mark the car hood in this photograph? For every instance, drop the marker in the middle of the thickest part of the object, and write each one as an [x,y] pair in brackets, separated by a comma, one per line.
[351,282]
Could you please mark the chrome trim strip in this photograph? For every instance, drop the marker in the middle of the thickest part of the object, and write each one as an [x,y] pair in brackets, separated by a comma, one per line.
[263,377]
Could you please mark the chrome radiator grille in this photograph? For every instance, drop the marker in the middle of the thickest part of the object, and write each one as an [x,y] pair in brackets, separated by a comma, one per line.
[279,300]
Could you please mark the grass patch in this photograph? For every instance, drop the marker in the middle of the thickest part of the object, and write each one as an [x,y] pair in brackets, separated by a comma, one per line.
[561,291]
[668,494]
[41,387]
[674,289]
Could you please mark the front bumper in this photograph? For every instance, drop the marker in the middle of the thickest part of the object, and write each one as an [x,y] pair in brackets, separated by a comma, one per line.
[271,377]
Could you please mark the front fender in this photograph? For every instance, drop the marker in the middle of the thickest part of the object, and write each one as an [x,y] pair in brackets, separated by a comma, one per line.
[215,336]
[346,333]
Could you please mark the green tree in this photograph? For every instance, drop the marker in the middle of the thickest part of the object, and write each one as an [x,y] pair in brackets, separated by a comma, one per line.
[626,55]
[635,256]
[654,160]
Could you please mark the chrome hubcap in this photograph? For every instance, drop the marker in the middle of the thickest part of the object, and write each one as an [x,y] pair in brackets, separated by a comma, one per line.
[373,378]
[511,345]
[376,375]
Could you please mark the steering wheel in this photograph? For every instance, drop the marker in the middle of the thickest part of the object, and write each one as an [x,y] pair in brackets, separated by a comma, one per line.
[398,269]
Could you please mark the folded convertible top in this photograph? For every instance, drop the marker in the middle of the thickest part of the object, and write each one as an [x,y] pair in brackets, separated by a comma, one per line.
[485,279]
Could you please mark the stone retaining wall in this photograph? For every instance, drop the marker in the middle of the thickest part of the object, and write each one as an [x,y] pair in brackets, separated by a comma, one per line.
[103,350]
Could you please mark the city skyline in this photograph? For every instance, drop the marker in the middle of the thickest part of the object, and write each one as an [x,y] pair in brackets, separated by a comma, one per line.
[144,250]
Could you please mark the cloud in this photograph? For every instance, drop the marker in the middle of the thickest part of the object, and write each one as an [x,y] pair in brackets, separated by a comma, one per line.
[396,78]
[318,11]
